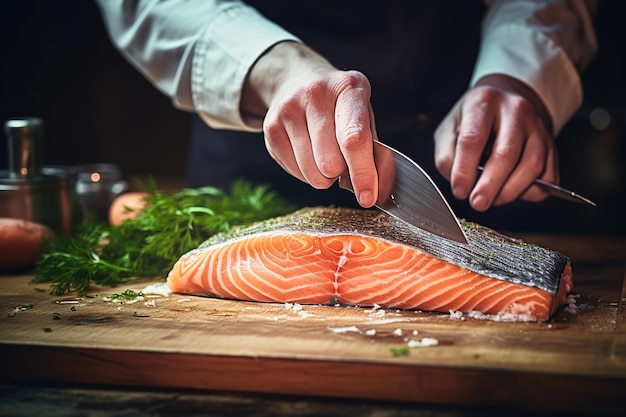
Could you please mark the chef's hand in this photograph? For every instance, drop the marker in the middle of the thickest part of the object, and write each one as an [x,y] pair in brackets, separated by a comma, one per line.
[318,123]
[523,148]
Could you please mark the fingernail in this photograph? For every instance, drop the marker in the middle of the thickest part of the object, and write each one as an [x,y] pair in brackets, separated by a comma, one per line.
[479,202]
[366,198]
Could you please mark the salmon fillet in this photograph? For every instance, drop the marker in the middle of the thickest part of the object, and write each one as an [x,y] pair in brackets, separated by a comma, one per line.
[366,257]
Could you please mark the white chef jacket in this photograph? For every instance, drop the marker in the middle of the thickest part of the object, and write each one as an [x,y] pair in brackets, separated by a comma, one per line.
[196,52]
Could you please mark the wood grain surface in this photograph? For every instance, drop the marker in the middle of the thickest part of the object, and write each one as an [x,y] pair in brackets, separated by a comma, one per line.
[574,362]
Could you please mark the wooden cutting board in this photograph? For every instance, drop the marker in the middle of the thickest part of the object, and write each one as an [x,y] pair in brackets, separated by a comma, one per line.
[576,362]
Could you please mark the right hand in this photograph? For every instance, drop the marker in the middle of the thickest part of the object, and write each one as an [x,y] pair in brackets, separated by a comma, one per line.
[318,121]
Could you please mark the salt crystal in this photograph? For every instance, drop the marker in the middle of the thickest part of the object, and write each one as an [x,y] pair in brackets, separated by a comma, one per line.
[423,342]
[349,329]
[160,288]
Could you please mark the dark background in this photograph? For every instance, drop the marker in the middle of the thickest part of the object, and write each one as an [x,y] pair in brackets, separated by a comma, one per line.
[58,64]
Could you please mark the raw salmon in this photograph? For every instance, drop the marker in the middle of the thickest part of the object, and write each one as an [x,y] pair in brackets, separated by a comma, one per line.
[366,258]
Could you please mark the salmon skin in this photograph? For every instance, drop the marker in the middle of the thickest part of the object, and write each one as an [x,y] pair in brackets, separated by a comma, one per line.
[365,257]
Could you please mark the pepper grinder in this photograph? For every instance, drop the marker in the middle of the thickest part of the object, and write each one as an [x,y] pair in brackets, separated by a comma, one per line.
[31,191]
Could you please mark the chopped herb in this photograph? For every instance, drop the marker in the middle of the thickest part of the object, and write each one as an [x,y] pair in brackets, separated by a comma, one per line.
[488,257]
[12,313]
[73,308]
[403,351]
[126,295]
[134,314]
[56,316]
[148,246]
[40,289]
[47,329]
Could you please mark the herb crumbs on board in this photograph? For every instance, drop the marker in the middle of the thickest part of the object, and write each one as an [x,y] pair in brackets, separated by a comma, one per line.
[403,351]
[148,245]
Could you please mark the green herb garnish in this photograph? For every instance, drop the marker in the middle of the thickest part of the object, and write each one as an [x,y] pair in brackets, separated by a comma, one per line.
[403,351]
[149,245]
[126,295]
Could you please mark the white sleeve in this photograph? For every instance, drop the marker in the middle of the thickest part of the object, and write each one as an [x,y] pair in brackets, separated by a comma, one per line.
[545,44]
[198,52]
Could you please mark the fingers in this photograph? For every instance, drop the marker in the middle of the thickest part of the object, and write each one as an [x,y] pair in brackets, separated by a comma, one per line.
[323,129]
[300,136]
[353,122]
[477,121]
[522,149]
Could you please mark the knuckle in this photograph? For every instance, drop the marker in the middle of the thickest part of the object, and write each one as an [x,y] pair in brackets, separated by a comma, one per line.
[354,136]
[507,153]
[470,139]
[320,182]
[312,91]
[520,106]
[354,79]
[485,94]
[271,128]
[536,163]
[331,168]
[287,107]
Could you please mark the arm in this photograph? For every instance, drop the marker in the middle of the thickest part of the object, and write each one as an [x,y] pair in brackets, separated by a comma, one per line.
[525,87]
[237,70]
[194,51]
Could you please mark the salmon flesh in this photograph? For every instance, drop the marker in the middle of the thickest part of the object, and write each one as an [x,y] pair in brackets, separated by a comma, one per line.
[362,257]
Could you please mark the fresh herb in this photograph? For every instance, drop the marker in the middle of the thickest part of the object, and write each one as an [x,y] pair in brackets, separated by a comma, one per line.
[73,308]
[488,257]
[126,295]
[56,316]
[149,245]
[47,329]
[403,351]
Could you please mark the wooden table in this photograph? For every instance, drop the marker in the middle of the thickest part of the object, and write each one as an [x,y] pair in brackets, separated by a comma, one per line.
[576,362]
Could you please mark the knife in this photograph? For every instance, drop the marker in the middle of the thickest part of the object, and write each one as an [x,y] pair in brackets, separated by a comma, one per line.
[409,194]
[558,191]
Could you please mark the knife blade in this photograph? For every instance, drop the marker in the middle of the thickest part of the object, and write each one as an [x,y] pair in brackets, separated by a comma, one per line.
[408,193]
[558,191]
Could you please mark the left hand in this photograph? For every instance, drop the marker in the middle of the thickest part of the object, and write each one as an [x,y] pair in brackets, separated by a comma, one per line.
[523,148]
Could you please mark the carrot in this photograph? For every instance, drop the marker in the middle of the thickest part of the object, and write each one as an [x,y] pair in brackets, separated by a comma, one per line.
[20,242]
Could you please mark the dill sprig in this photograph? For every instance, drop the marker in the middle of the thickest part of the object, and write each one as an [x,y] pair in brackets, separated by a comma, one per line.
[149,245]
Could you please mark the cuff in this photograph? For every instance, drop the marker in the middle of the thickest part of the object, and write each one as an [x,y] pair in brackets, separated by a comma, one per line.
[534,59]
[223,56]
